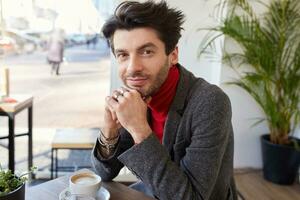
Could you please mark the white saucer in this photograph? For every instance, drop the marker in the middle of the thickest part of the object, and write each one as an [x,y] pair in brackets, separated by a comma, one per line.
[103,194]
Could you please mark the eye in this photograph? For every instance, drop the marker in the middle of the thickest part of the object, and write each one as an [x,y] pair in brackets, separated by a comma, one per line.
[121,56]
[147,52]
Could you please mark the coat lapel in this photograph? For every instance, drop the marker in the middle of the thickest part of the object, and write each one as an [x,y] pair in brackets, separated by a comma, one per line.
[185,83]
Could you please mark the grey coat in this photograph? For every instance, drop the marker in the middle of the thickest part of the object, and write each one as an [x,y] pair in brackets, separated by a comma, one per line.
[196,158]
[55,50]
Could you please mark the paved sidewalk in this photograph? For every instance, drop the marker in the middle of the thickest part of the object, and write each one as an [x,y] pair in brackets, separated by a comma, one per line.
[74,99]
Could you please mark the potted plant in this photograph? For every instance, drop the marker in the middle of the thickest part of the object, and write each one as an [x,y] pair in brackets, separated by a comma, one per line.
[270,49]
[12,186]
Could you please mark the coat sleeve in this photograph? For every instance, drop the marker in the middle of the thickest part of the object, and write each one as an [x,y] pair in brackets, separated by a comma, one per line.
[197,172]
[109,168]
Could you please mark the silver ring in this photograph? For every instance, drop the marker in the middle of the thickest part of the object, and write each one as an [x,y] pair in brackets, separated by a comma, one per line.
[117,95]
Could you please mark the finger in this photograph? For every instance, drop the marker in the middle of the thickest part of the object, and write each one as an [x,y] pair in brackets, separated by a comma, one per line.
[124,89]
[109,117]
[114,116]
[118,95]
[109,102]
[110,113]
[127,94]
[132,91]
[112,103]
[121,92]
[121,98]
[115,94]
[118,124]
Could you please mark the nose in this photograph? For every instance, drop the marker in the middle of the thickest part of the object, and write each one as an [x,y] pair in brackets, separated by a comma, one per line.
[134,64]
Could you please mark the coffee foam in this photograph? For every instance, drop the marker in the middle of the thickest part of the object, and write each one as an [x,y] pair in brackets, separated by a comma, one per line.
[84,179]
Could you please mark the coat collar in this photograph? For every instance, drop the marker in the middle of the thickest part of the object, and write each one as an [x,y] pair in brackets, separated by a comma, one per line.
[186,81]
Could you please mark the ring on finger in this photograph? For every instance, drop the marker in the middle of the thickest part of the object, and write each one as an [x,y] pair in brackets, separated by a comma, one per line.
[117,95]
[120,95]
[123,90]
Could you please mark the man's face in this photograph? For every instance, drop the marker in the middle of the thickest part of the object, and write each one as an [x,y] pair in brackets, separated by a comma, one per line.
[143,63]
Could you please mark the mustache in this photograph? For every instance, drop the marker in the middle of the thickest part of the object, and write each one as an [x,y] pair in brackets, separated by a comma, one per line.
[136,74]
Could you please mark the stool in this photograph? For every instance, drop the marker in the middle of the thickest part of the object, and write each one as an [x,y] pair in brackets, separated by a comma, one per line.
[72,139]
[10,110]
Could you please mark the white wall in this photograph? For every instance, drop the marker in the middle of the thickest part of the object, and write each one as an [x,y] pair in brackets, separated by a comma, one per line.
[244,111]
[199,14]
[244,108]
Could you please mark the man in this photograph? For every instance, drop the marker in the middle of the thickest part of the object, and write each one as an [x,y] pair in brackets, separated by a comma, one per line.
[171,129]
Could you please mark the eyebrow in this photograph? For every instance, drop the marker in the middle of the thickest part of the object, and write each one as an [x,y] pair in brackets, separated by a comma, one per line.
[146,45]
[149,44]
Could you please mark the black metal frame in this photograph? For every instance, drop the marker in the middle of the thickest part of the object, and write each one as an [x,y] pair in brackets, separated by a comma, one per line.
[54,159]
[11,135]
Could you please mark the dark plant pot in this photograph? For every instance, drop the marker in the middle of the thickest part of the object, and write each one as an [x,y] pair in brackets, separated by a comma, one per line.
[280,162]
[18,194]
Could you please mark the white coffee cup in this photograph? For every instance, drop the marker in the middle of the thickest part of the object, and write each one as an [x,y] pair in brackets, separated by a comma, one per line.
[85,183]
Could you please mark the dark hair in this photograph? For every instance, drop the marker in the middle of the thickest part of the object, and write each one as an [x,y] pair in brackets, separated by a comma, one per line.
[158,16]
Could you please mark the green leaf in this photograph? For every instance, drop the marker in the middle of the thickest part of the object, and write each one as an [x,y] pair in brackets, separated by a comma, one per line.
[270,47]
[9,181]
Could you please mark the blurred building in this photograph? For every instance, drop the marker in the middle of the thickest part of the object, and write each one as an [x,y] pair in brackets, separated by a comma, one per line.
[104,7]
[80,16]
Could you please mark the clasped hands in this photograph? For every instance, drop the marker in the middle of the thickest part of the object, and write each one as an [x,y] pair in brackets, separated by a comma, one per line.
[128,109]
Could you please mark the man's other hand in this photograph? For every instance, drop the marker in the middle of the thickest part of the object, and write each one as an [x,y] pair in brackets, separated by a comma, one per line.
[131,112]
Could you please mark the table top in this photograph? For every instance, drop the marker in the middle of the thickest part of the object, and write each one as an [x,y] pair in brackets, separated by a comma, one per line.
[15,103]
[81,138]
[50,190]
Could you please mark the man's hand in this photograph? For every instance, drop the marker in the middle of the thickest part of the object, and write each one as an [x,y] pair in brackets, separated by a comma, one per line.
[131,112]
[111,123]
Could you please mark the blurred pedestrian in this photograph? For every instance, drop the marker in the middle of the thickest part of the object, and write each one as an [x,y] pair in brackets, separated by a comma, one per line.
[56,50]
[95,41]
[88,41]
[92,39]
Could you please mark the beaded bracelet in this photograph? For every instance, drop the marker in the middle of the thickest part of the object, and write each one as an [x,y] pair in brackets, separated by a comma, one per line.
[107,145]
[105,149]
[108,139]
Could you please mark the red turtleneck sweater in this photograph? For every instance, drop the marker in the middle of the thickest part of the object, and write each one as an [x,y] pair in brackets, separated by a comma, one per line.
[161,101]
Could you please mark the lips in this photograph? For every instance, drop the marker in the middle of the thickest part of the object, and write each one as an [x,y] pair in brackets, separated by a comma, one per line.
[136,82]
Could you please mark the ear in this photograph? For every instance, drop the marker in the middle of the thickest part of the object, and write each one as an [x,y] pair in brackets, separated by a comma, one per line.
[173,56]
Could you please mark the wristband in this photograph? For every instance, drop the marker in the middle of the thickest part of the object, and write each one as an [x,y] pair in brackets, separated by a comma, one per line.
[108,145]
[108,139]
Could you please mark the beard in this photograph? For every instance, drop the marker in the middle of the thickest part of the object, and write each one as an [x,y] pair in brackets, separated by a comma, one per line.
[156,81]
